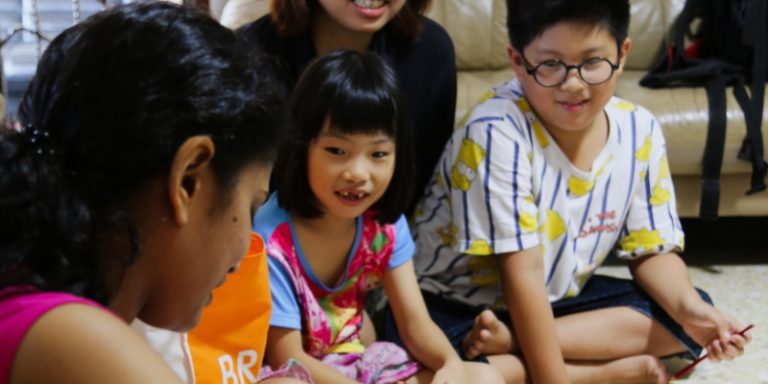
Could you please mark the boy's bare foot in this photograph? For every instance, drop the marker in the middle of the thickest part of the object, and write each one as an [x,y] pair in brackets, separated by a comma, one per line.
[628,370]
[488,336]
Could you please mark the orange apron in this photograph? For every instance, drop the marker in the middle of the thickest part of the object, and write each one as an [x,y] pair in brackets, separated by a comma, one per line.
[227,346]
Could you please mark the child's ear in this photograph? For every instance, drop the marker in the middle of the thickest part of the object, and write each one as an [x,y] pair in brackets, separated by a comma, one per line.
[187,173]
[518,65]
[624,51]
[514,56]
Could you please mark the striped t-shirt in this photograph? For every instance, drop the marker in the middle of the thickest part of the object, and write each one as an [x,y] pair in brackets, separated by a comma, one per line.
[503,185]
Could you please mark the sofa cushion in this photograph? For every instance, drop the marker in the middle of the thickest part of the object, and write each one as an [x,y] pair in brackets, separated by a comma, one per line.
[236,13]
[683,114]
[478,30]
[648,26]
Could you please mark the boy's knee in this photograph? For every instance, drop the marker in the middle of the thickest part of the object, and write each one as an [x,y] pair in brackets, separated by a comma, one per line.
[484,373]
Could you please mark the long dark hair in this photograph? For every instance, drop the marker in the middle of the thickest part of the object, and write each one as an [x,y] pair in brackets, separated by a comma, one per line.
[112,100]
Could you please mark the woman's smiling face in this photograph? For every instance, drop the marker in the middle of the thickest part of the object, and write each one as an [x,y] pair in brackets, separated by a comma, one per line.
[361,16]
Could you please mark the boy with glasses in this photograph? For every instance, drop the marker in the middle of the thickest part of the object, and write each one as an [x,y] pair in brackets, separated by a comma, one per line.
[551,174]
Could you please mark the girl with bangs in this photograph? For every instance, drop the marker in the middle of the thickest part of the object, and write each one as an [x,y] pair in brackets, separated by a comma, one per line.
[419,51]
[334,230]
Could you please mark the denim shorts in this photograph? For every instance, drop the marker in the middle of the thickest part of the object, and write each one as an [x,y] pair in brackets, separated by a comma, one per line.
[456,319]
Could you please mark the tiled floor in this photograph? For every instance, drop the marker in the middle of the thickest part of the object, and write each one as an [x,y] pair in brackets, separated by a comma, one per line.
[729,259]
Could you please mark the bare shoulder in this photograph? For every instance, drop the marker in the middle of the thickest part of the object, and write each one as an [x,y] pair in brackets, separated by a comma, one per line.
[77,343]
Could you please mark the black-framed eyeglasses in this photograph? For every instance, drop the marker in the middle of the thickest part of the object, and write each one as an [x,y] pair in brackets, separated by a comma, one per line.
[552,73]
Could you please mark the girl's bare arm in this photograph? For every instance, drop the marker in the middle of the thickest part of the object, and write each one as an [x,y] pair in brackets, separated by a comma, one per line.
[284,344]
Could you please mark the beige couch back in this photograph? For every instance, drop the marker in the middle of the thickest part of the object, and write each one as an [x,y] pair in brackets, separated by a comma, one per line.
[649,25]
[478,30]
[479,33]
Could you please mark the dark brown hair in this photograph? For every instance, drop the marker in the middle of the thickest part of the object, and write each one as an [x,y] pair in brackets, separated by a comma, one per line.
[528,19]
[292,16]
[112,100]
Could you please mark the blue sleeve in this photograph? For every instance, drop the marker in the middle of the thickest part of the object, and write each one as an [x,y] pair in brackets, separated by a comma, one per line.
[285,307]
[403,249]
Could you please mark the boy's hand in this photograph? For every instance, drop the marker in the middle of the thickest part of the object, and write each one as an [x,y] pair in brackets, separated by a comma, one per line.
[452,372]
[715,331]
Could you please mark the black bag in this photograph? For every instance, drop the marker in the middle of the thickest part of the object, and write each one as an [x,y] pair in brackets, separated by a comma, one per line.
[729,47]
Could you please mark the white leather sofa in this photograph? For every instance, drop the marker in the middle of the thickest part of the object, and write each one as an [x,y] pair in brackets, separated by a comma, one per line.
[478,30]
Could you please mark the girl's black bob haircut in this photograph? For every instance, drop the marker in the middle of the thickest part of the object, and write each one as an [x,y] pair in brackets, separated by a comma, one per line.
[358,93]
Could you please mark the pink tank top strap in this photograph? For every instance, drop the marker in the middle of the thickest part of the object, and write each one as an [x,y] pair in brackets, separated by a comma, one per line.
[20,308]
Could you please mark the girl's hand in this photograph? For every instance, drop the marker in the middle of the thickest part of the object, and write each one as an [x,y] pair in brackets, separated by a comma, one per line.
[715,331]
[452,372]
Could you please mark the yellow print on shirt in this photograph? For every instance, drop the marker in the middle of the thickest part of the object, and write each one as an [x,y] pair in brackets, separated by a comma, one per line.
[439,179]
[553,227]
[642,240]
[538,131]
[644,152]
[419,211]
[660,194]
[528,222]
[464,170]
[530,199]
[624,105]
[523,105]
[447,234]
[484,270]
[580,187]
[480,248]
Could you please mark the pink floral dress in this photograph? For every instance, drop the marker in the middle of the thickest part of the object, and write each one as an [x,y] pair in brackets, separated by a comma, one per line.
[331,318]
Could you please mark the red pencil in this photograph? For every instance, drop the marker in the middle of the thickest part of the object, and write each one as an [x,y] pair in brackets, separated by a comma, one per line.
[690,366]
